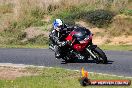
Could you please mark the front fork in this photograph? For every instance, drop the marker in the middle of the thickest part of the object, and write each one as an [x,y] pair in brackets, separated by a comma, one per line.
[89,49]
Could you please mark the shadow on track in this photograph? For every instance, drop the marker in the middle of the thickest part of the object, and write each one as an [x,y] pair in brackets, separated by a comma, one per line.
[83,61]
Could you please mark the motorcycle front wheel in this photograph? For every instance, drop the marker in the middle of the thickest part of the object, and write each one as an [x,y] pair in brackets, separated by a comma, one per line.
[100,56]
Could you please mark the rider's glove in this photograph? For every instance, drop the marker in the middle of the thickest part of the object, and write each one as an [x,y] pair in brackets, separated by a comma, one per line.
[69,42]
[58,29]
[62,44]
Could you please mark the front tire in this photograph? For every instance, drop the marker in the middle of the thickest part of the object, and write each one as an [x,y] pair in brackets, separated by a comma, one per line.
[100,55]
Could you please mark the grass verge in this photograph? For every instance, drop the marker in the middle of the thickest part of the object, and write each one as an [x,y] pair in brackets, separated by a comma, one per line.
[104,47]
[54,78]
[117,47]
[23,46]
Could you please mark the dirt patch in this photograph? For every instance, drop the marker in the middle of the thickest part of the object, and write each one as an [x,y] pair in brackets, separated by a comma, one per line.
[10,73]
[1,30]
[33,32]
[100,40]
[47,18]
[82,23]
[122,16]
[123,40]
[94,30]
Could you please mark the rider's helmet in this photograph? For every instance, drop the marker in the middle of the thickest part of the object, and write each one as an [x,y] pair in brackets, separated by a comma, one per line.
[57,23]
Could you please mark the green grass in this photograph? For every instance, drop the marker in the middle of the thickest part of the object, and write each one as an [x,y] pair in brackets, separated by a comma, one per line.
[104,47]
[23,46]
[55,78]
[117,47]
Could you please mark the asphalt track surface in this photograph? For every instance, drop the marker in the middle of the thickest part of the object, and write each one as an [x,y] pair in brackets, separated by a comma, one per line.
[120,62]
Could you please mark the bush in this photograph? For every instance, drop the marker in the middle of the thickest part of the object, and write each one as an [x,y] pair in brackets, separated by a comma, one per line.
[128,12]
[99,18]
[22,35]
[70,15]
[69,22]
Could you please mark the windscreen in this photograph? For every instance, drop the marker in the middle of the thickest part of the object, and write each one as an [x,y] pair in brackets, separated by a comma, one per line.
[81,33]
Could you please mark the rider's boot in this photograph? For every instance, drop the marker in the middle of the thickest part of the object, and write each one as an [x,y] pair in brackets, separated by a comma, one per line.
[57,53]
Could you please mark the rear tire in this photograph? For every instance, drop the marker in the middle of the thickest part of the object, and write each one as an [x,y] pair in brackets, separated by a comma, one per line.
[101,57]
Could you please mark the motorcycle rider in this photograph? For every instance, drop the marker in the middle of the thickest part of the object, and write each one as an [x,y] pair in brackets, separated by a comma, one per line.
[58,26]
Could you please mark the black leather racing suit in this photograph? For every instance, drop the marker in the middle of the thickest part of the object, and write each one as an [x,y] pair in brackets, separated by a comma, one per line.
[58,39]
